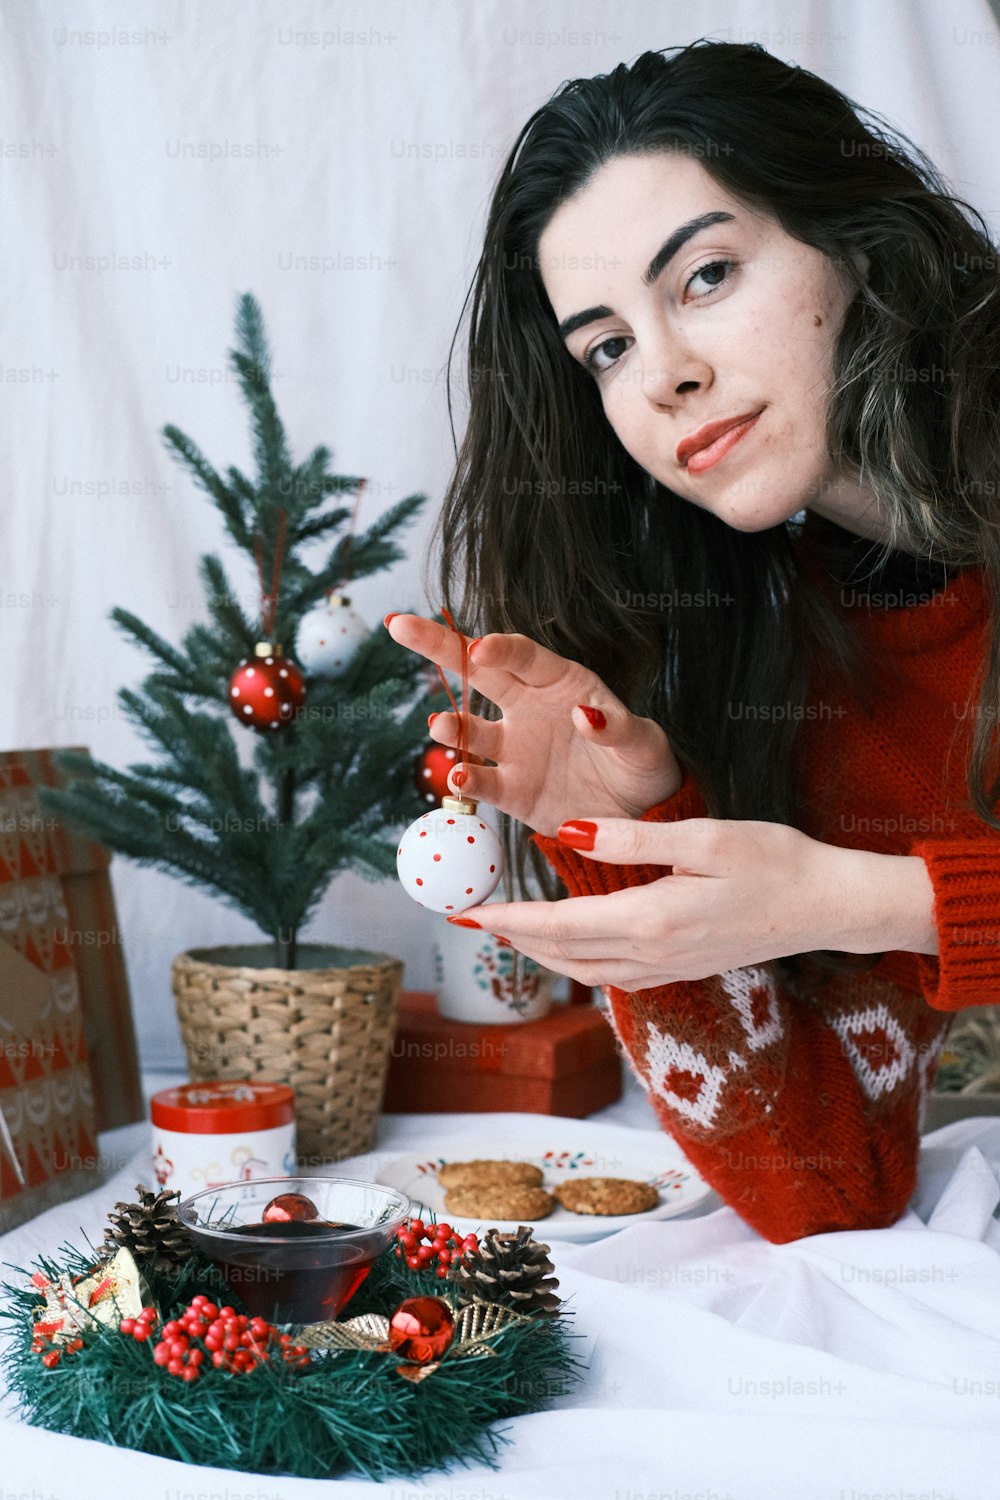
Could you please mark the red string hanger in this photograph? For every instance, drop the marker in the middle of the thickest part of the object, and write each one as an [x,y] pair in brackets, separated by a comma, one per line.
[436,762]
[269,597]
[462,714]
[449,858]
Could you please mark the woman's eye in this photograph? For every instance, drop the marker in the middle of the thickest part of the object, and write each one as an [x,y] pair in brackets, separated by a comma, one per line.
[710,270]
[609,351]
[594,365]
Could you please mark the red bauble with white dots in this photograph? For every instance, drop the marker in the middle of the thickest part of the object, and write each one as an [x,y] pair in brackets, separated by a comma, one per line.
[430,773]
[267,690]
[449,858]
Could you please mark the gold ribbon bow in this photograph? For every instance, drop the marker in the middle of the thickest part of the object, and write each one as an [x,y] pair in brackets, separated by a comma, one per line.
[477,1322]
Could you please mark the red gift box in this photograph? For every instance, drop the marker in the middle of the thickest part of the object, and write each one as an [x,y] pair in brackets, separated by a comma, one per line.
[87,929]
[47,1119]
[566,1064]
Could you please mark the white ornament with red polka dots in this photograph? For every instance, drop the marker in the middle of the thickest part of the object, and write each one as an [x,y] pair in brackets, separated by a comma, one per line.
[329,636]
[449,858]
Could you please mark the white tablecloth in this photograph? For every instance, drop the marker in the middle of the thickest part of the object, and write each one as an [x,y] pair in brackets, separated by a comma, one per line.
[845,1366]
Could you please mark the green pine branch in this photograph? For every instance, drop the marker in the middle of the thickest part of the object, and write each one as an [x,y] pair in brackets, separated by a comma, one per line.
[158,840]
[307,531]
[328,792]
[229,502]
[224,606]
[270,443]
[346,1412]
[147,637]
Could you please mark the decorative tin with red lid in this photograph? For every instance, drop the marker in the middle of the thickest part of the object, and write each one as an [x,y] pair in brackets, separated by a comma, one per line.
[222,1130]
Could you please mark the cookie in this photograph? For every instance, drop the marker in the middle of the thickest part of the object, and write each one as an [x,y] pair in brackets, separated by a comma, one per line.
[499,1200]
[606,1195]
[465,1173]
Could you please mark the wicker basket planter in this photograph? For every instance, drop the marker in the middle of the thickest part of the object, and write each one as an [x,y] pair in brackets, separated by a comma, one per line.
[325,1028]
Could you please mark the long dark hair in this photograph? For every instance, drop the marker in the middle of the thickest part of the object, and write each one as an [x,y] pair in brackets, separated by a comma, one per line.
[551,529]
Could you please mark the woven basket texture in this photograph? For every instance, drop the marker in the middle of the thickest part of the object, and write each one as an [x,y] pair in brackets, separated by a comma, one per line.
[325,1031]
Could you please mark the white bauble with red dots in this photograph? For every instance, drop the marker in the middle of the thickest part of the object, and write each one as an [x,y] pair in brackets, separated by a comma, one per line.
[450,858]
[329,636]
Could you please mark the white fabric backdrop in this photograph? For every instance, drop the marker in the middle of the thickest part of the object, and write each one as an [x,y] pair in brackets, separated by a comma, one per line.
[375,134]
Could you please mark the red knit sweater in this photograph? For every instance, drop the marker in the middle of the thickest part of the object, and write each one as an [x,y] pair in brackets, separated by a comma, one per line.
[803,1110]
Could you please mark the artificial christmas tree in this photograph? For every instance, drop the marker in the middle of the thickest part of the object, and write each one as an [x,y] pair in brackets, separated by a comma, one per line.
[328,792]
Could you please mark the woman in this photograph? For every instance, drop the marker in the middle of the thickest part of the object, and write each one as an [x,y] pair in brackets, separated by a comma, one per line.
[726,513]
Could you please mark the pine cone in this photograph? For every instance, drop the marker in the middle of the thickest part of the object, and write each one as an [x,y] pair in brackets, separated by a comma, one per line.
[151,1229]
[511,1269]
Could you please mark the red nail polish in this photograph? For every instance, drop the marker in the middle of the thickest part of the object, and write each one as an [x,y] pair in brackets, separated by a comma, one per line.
[594,716]
[432,716]
[389,617]
[459,778]
[577,834]
[464,922]
[473,643]
[501,941]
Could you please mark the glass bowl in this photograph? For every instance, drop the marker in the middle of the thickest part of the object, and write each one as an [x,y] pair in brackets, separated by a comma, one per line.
[302,1271]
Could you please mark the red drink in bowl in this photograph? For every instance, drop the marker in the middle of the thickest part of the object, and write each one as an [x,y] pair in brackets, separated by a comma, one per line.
[295,1270]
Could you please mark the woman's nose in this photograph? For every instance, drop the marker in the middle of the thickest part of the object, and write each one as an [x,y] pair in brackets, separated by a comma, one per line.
[665,376]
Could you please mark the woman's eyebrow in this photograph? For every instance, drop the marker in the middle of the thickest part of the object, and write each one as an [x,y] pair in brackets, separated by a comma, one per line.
[670,247]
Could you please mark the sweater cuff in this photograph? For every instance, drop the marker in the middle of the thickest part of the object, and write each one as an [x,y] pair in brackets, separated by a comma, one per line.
[965,874]
[596,877]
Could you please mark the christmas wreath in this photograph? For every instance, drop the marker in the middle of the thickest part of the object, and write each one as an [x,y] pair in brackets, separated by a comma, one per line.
[141,1343]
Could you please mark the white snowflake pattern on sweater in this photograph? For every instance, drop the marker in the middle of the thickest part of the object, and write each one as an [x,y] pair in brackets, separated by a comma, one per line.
[879,1074]
[685,1079]
[755,1000]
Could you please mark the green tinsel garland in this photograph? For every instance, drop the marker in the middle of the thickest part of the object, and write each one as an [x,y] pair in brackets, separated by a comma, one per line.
[348,1412]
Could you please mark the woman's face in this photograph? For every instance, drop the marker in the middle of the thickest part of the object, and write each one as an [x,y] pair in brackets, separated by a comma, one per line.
[741,321]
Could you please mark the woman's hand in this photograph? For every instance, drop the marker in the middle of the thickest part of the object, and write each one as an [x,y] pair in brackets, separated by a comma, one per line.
[740,893]
[550,761]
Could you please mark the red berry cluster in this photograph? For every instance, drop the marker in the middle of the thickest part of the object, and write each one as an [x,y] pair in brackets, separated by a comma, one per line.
[42,1335]
[140,1328]
[234,1341]
[423,1245]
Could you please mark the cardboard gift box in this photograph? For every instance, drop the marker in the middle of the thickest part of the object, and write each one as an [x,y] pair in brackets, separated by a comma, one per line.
[47,1122]
[565,1064]
[88,927]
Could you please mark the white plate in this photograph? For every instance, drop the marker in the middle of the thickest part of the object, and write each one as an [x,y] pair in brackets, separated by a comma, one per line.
[679,1185]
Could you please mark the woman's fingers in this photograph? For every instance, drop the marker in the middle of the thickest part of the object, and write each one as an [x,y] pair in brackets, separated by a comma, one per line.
[483,783]
[558,928]
[427,638]
[484,734]
[442,646]
[525,660]
[704,847]
[611,726]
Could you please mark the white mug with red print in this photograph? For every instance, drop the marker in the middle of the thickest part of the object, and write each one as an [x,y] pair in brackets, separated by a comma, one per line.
[474,978]
[474,974]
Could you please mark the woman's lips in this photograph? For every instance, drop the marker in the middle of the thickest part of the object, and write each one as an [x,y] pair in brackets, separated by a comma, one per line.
[707,458]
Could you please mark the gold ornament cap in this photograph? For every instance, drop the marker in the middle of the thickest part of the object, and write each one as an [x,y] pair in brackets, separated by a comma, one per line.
[338,600]
[266,648]
[458,805]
